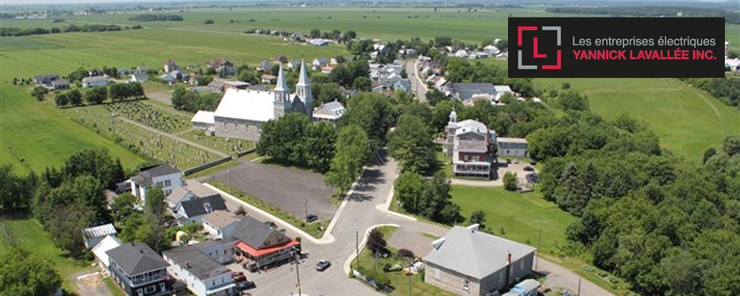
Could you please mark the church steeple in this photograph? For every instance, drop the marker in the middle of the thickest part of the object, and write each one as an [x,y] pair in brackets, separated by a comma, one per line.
[303,89]
[281,84]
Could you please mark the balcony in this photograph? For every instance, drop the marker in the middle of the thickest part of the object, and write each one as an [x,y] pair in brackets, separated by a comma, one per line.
[148,278]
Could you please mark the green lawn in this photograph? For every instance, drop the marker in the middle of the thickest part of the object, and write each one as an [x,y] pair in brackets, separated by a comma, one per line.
[520,215]
[399,281]
[687,120]
[29,236]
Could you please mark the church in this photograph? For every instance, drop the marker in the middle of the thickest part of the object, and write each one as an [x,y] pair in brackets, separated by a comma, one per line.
[241,112]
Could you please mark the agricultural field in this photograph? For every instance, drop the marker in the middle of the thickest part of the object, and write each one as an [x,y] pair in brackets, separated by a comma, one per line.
[159,147]
[226,145]
[36,134]
[687,120]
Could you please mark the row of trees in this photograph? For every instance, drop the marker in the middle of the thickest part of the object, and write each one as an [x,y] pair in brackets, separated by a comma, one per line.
[725,89]
[13,31]
[152,17]
[191,101]
[294,140]
[98,94]
[427,198]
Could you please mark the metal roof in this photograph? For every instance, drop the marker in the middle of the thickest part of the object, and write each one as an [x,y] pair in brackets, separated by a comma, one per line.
[99,231]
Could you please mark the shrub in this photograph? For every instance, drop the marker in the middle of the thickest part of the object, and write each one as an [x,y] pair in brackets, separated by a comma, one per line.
[406,253]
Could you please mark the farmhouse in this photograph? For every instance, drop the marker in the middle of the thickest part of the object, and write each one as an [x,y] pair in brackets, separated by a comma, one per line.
[138,270]
[268,78]
[139,77]
[191,190]
[471,146]
[470,262]
[222,66]
[163,175]
[319,62]
[199,267]
[94,235]
[94,81]
[170,66]
[330,112]
[241,112]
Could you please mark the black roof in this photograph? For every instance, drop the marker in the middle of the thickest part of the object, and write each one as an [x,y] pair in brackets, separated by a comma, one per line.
[161,170]
[202,206]
[258,235]
[135,258]
[196,261]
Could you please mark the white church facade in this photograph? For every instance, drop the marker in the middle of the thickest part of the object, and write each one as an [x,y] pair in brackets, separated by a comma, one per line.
[241,112]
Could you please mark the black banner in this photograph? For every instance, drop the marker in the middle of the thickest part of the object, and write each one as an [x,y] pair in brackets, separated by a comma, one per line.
[678,47]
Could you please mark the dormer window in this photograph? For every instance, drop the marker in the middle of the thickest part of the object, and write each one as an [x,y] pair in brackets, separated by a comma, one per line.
[207,206]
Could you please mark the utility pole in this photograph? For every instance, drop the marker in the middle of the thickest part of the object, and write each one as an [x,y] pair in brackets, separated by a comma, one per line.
[306,208]
[409,275]
[539,239]
[357,248]
[579,287]
[297,270]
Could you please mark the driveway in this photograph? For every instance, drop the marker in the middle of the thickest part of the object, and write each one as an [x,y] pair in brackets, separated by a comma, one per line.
[411,239]
[91,284]
[288,189]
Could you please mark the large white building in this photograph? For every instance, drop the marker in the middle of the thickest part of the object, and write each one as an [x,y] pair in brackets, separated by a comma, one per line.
[165,176]
[241,112]
[471,146]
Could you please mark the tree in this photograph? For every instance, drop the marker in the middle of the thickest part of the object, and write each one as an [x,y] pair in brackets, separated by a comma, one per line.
[75,97]
[435,96]
[409,191]
[16,192]
[326,92]
[208,22]
[154,211]
[39,92]
[98,94]
[240,211]
[24,273]
[406,253]
[362,84]
[352,151]
[318,145]
[571,100]
[731,145]
[315,33]
[511,182]
[135,89]
[78,74]
[373,113]
[478,217]
[348,35]
[118,91]
[412,145]
[281,139]
[376,242]
[66,223]
[123,206]
[61,99]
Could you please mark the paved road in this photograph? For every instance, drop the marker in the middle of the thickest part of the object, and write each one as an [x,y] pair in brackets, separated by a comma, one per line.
[171,136]
[419,87]
[367,207]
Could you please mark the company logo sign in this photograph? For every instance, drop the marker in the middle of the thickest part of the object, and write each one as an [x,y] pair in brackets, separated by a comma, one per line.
[616,47]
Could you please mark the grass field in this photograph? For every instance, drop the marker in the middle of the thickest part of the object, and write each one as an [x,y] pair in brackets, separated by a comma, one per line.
[29,236]
[399,281]
[687,120]
[520,215]
[36,135]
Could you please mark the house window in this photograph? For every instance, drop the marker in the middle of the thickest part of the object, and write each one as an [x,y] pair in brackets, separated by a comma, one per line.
[436,273]
[167,183]
[140,291]
[150,289]
[466,284]
[163,286]
[167,192]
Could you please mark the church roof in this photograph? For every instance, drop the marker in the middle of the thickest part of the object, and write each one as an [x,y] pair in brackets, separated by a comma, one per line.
[303,77]
[281,84]
[246,104]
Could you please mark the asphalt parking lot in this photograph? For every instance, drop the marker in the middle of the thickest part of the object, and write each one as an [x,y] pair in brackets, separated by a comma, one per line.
[285,188]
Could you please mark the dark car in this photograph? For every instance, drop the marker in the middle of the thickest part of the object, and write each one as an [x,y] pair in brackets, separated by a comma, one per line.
[529,169]
[310,218]
[323,265]
[245,286]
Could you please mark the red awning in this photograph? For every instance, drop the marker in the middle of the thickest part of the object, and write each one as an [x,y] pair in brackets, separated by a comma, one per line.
[256,253]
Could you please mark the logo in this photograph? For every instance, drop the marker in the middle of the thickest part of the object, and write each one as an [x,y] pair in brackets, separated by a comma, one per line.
[535,53]
[607,47]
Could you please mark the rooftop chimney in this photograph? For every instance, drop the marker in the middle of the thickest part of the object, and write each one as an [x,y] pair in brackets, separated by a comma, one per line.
[438,243]
[474,227]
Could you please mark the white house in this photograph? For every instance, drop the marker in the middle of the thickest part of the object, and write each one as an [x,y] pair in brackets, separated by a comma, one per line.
[139,77]
[94,81]
[500,91]
[94,235]
[100,252]
[163,175]
[200,267]
[218,223]
[330,112]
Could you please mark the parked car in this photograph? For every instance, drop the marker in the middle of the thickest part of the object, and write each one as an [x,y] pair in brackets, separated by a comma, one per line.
[245,286]
[529,169]
[323,265]
[311,217]
[238,276]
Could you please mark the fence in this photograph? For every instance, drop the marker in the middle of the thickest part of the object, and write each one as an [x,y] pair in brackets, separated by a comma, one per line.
[206,166]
